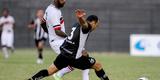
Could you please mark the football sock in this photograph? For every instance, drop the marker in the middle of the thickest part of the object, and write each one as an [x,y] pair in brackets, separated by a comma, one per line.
[101,74]
[64,71]
[41,74]
[85,74]
[40,56]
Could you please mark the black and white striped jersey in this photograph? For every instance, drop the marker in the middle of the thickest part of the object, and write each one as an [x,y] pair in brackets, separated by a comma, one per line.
[74,44]
[39,32]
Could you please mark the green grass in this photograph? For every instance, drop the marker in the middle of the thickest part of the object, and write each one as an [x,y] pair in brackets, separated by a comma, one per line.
[22,64]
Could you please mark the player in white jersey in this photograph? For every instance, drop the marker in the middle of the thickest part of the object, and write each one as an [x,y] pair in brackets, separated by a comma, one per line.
[7,36]
[40,36]
[56,32]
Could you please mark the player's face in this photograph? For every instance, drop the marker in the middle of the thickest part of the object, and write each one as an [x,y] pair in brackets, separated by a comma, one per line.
[60,3]
[94,24]
[5,13]
[40,13]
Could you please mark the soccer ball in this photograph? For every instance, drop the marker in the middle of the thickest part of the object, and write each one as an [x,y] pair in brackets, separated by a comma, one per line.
[143,78]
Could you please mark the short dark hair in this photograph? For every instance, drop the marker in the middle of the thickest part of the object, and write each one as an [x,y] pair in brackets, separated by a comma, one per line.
[5,9]
[92,18]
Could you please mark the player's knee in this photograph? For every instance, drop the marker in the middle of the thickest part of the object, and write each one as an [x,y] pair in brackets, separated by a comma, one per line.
[97,66]
[40,45]
[52,69]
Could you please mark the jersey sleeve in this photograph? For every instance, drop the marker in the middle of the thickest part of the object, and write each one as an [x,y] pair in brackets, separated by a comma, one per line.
[53,19]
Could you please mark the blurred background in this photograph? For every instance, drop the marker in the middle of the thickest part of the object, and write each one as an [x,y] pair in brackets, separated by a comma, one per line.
[118,19]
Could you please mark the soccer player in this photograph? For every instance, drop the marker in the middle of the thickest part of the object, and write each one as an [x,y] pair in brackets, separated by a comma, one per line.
[56,30]
[7,37]
[40,36]
[71,49]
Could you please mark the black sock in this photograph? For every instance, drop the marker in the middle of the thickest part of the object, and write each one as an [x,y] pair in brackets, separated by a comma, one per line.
[41,74]
[40,56]
[101,74]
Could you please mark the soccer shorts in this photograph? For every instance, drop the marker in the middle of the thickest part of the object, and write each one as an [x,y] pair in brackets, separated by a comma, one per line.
[7,39]
[55,45]
[84,62]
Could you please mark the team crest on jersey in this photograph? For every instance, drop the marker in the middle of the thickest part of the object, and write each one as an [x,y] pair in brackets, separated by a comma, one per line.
[92,60]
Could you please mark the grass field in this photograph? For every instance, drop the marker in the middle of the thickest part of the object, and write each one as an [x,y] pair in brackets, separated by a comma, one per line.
[22,64]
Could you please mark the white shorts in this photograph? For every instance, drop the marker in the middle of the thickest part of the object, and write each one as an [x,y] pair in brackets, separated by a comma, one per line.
[7,39]
[55,45]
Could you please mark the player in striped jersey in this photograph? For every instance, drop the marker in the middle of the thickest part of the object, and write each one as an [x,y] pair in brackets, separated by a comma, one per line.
[71,49]
[40,35]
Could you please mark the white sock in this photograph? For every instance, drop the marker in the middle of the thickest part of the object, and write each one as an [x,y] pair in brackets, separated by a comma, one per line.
[64,71]
[5,52]
[85,74]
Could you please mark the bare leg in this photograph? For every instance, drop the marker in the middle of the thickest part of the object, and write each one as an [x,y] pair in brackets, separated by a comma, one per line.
[99,71]
[44,73]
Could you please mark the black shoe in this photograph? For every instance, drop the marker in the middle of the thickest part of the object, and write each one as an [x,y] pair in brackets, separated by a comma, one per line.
[30,79]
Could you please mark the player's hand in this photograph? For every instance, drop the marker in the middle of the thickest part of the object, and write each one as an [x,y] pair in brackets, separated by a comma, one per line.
[80,13]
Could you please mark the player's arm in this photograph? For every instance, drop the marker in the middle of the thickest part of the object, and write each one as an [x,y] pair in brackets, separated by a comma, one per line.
[31,25]
[43,25]
[80,14]
[54,21]
[59,32]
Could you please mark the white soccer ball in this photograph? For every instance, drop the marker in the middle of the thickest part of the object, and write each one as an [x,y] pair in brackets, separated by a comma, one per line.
[143,78]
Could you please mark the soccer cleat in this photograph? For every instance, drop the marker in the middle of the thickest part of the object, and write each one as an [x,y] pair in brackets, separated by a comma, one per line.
[56,77]
[39,61]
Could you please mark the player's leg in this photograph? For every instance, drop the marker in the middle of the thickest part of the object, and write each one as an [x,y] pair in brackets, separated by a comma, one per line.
[4,41]
[99,71]
[44,73]
[62,72]
[40,51]
[39,46]
[85,62]
[59,63]
[55,45]
[85,74]
[5,51]
[10,42]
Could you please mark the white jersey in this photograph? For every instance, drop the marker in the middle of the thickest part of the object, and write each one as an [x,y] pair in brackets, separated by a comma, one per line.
[8,27]
[54,20]
[39,32]
[7,36]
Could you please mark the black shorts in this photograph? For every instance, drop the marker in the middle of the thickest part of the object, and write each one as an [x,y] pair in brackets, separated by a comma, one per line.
[82,63]
[39,40]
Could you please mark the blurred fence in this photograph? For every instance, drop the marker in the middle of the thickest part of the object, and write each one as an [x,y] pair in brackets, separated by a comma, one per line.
[118,19]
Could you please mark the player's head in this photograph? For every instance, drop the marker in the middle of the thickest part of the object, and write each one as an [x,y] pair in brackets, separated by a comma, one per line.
[5,12]
[93,21]
[40,13]
[59,3]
